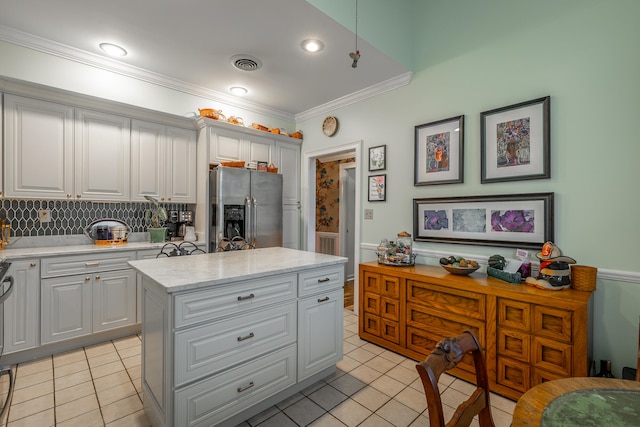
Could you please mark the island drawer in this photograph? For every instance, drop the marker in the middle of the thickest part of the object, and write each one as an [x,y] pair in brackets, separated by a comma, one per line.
[212,400]
[320,279]
[87,263]
[217,302]
[212,347]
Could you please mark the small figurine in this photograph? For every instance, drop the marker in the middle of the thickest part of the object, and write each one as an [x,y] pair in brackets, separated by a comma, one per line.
[555,273]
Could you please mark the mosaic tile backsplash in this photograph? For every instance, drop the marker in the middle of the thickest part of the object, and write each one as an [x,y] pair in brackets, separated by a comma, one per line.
[70,217]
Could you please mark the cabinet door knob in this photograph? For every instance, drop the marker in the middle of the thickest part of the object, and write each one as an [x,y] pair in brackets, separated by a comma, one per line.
[78,196]
[33,264]
[98,277]
[87,279]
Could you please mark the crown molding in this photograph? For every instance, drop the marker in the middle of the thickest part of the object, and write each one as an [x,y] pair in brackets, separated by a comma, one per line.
[69,53]
[371,91]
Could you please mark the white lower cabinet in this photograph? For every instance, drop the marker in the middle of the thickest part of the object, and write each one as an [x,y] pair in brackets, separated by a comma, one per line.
[222,353]
[211,401]
[66,308]
[101,297]
[319,332]
[114,299]
[22,307]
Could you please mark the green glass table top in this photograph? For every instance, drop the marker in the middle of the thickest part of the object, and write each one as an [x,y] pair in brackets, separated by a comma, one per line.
[594,407]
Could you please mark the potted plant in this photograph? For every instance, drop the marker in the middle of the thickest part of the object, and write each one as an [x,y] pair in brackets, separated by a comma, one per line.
[156,218]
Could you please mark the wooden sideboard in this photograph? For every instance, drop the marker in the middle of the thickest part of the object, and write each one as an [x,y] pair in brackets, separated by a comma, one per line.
[529,335]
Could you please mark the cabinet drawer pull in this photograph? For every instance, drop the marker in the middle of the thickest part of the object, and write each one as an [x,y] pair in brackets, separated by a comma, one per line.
[246,387]
[92,264]
[247,297]
[251,335]
[323,299]
[326,279]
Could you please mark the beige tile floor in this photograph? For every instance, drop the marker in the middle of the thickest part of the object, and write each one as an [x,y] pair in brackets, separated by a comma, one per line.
[100,386]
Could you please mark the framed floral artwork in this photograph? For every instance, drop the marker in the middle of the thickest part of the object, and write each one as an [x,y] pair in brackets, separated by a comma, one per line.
[377,158]
[516,220]
[377,188]
[514,142]
[438,152]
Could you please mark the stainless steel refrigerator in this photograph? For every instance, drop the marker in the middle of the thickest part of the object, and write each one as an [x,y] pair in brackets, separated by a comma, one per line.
[246,209]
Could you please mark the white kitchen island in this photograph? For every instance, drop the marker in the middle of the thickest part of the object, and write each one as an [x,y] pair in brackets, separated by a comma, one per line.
[226,335]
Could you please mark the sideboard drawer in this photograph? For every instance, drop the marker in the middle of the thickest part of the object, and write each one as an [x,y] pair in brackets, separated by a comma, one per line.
[212,347]
[552,356]
[552,323]
[514,314]
[198,306]
[514,344]
[468,304]
[514,374]
[320,280]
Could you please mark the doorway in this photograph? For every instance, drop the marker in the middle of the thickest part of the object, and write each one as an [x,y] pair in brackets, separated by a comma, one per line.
[354,150]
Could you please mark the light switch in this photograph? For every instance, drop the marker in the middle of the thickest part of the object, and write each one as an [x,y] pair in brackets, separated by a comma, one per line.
[368,214]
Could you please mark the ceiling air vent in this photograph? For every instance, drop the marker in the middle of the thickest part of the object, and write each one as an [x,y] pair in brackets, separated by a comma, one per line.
[246,62]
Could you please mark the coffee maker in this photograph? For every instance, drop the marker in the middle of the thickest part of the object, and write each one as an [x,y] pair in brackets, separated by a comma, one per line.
[177,223]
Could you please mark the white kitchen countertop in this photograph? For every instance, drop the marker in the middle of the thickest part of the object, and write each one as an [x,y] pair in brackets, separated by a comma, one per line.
[192,272]
[80,249]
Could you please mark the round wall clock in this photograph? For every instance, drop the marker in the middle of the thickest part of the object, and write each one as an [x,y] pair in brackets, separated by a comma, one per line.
[329,125]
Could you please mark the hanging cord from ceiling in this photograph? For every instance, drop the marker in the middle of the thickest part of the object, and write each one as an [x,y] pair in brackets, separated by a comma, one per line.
[355,55]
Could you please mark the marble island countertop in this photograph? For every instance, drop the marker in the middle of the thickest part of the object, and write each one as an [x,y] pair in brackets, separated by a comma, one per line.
[192,272]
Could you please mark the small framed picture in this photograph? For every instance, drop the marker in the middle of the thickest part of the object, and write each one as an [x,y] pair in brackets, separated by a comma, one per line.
[378,188]
[438,152]
[377,158]
[514,142]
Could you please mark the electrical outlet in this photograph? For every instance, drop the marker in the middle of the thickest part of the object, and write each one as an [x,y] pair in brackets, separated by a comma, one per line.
[44,215]
[368,214]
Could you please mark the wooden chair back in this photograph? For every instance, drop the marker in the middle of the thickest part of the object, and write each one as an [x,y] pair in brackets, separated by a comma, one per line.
[446,356]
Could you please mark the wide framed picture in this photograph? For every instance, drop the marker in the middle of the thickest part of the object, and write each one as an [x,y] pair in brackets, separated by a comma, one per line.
[378,188]
[438,152]
[514,142]
[515,220]
[377,158]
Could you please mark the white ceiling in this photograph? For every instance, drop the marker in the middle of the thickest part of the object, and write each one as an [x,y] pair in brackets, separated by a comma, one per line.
[188,45]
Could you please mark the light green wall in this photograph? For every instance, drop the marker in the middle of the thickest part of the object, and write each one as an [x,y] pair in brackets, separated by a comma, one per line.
[475,56]
[382,23]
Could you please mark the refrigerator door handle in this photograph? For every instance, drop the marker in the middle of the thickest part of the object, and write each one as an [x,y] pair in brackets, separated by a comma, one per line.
[255,223]
[248,229]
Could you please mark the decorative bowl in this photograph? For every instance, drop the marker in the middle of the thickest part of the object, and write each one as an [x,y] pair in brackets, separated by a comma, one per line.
[459,271]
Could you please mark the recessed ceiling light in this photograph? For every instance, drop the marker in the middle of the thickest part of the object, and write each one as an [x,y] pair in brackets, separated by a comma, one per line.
[112,49]
[312,45]
[238,90]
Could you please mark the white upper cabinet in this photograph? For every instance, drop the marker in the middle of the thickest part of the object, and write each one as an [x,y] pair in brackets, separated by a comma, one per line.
[38,148]
[180,176]
[163,163]
[287,159]
[228,145]
[102,156]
